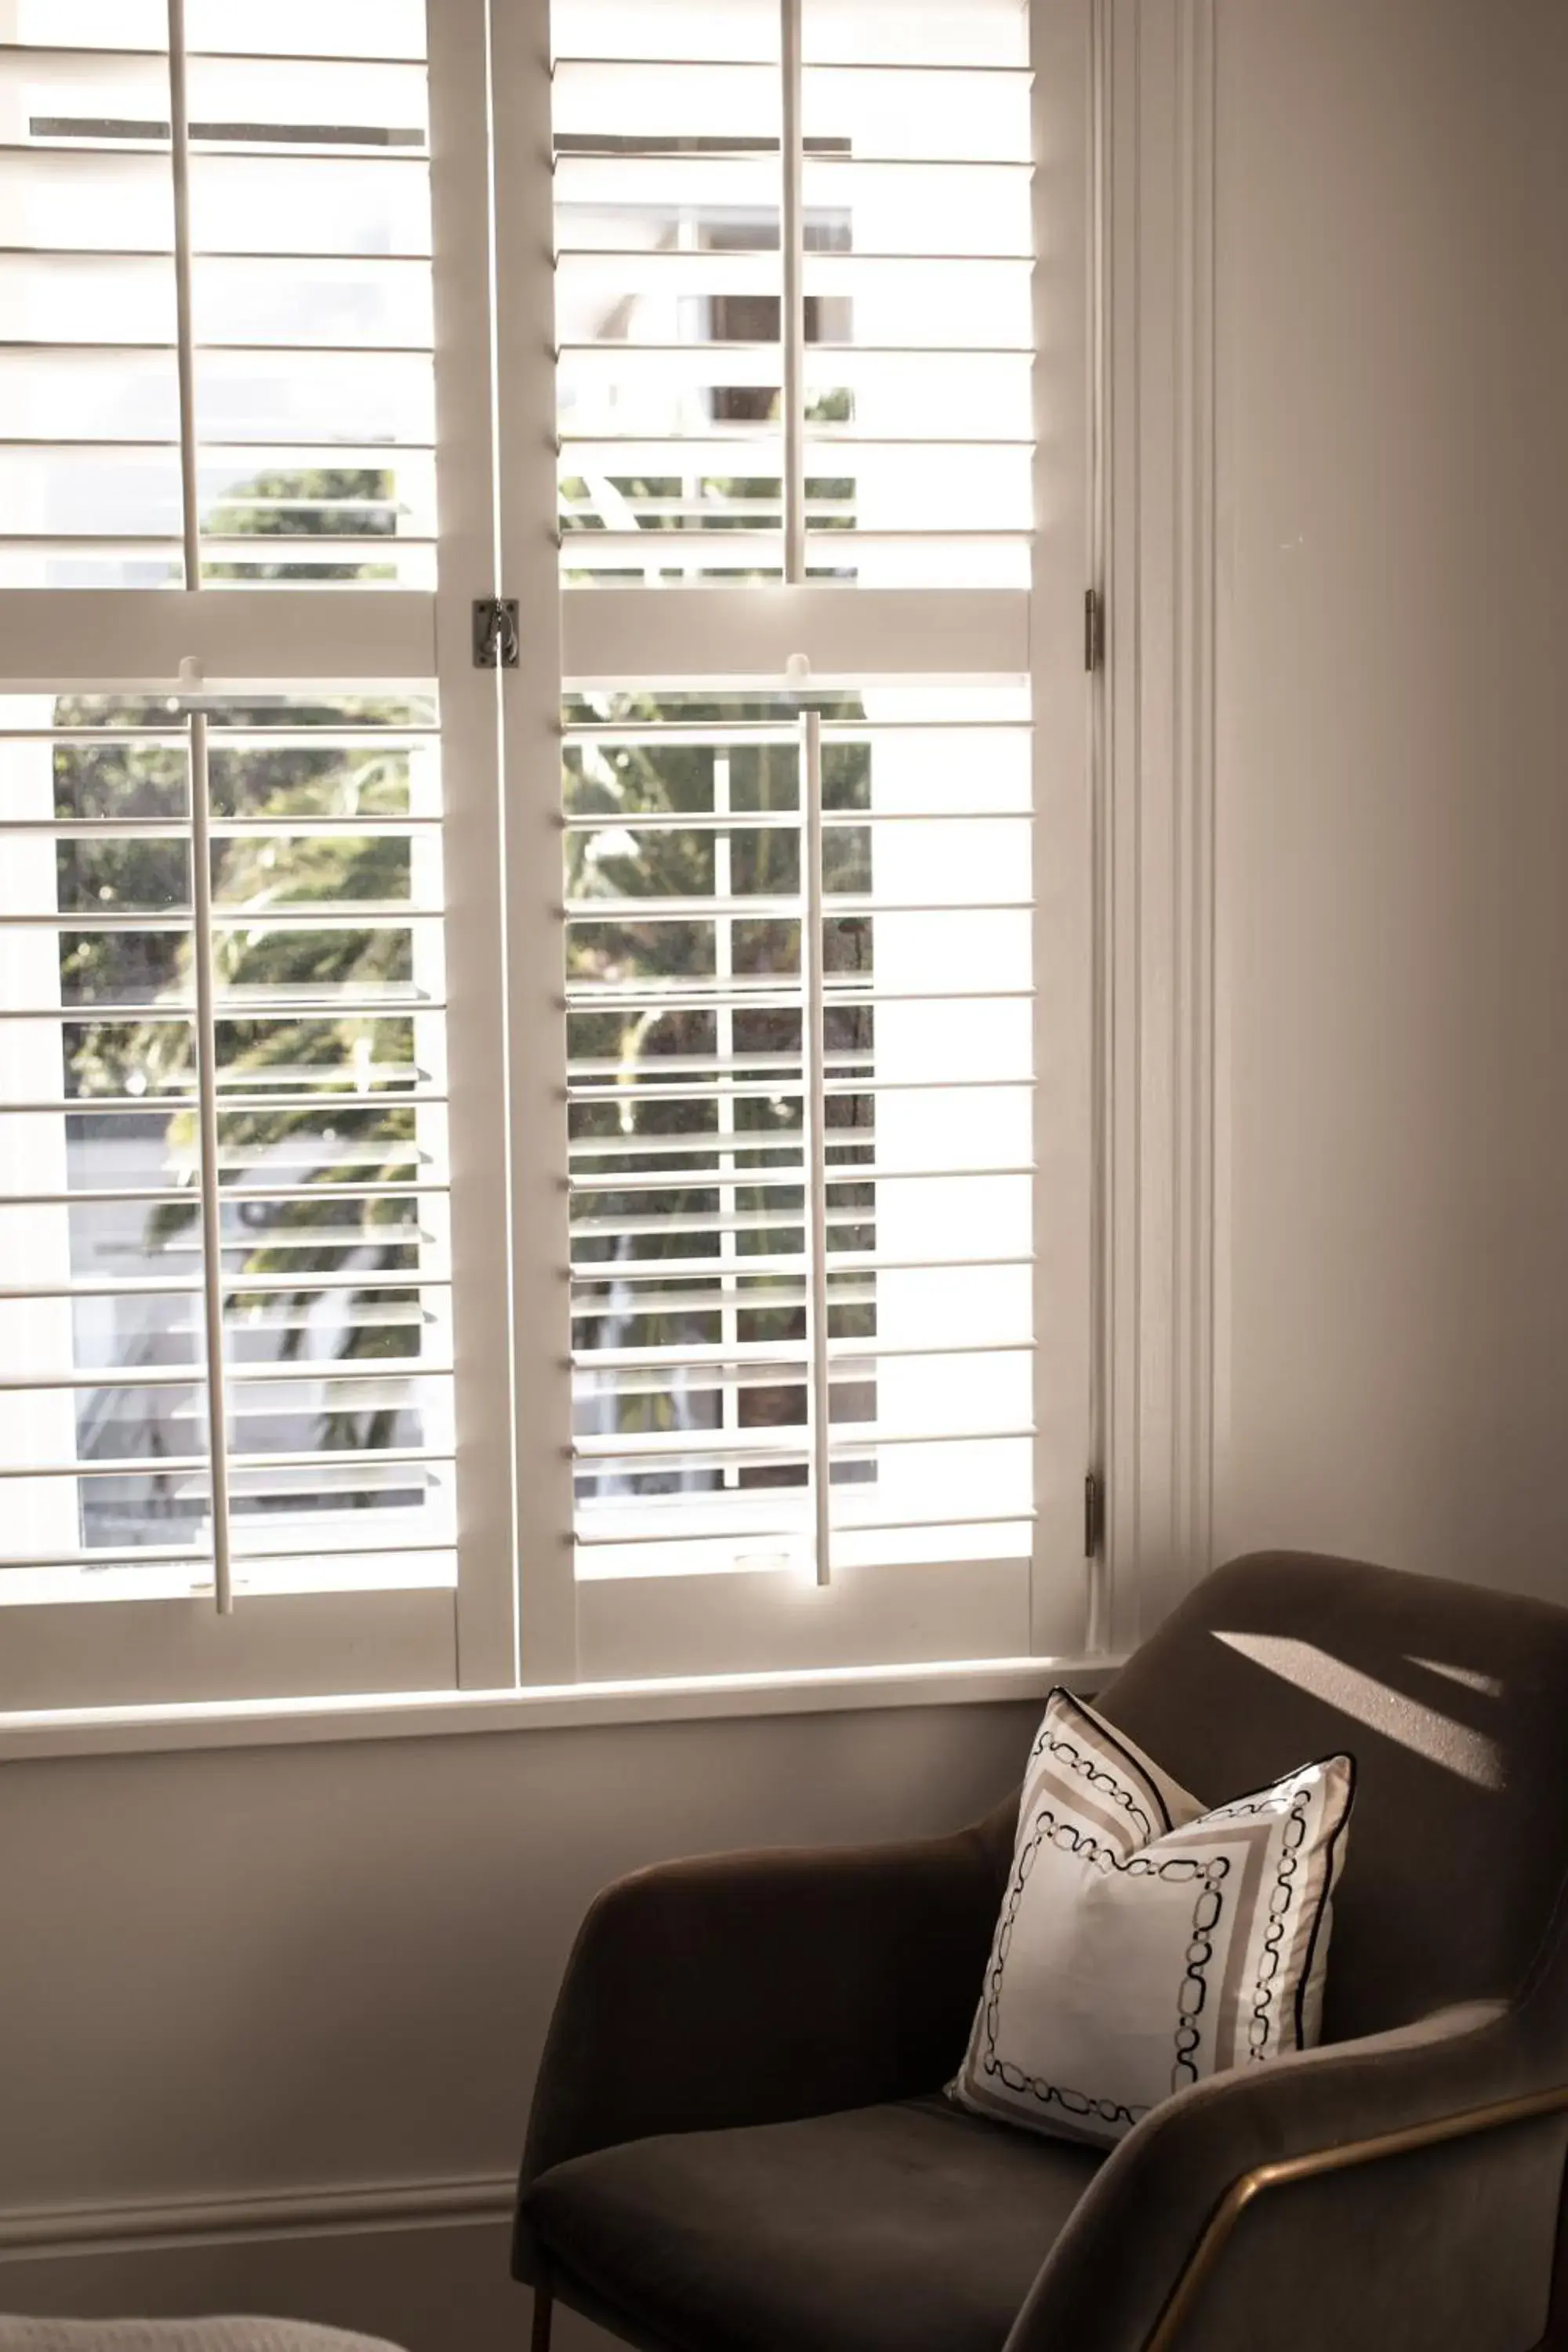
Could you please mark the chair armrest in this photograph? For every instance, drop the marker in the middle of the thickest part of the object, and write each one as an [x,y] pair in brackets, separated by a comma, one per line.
[753,1988]
[1138,2267]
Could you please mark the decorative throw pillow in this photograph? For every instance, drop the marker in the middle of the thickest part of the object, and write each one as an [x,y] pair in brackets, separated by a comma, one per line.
[1144,1942]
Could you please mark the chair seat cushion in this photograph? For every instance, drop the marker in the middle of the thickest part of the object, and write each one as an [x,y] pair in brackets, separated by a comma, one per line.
[911,2228]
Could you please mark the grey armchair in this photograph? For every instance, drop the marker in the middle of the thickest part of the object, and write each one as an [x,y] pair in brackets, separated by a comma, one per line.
[739,2143]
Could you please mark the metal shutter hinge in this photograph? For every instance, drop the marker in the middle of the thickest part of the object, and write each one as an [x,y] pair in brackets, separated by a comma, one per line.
[496,641]
[1093,630]
[1093,1514]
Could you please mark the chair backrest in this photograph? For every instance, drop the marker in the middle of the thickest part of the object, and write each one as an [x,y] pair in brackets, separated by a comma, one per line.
[1454,1703]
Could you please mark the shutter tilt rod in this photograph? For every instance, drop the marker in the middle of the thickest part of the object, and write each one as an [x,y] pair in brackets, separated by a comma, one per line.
[816,1138]
[201,838]
[791,242]
[180,167]
[206,1100]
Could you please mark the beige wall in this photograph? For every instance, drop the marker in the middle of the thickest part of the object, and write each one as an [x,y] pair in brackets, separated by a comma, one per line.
[1393,784]
[244,1971]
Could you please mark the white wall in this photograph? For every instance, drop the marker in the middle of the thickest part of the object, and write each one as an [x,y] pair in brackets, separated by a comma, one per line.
[237,1972]
[1393,780]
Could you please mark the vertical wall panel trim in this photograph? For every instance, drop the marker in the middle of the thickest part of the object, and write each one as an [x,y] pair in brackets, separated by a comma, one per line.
[1158,806]
[1065,1589]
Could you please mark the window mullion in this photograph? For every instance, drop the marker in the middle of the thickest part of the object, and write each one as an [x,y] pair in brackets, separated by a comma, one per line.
[478,976]
[530,849]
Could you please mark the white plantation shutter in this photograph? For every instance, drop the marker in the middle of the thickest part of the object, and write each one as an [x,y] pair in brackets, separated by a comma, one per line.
[796,407]
[236,813]
[581,1172]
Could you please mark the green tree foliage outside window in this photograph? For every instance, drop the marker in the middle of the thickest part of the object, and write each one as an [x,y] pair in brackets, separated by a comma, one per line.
[356,1066]
[622,864]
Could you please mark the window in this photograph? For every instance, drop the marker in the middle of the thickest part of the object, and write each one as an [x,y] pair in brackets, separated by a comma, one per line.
[578,1172]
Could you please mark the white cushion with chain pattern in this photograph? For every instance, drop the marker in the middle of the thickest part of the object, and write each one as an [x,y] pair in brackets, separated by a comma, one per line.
[1143,1942]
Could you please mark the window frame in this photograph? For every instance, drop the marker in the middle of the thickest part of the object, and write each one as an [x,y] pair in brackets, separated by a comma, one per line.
[515,1612]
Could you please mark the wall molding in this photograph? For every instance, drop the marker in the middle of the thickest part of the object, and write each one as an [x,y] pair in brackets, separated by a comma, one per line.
[82,2230]
[1156,205]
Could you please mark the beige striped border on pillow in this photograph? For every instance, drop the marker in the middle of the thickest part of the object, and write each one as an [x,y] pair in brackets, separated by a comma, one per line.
[1144,1942]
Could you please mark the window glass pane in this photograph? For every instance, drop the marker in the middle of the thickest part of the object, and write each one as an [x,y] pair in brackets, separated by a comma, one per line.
[668,290]
[90,23]
[69,299]
[917,132]
[309,28]
[311,295]
[67,96]
[89,481]
[984,33]
[69,198]
[687,1125]
[331,1091]
[341,203]
[736,32]
[312,301]
[917,239]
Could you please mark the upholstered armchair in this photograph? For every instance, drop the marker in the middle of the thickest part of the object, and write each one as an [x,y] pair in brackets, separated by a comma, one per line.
[739,2141]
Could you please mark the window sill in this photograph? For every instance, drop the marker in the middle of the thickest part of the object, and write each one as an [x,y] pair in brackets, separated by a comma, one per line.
[274,1723]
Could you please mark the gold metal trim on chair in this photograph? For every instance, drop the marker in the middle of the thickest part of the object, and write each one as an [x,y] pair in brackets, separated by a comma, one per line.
[1217,2228]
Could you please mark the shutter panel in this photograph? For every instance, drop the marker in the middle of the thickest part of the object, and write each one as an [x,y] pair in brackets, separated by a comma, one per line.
[227,1280]
[743,1184]
[689,1150]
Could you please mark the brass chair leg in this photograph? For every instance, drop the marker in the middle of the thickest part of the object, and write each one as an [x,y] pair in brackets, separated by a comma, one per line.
[542,2308]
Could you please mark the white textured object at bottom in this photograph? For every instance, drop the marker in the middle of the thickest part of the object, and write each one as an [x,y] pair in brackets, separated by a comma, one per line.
[221,2335]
